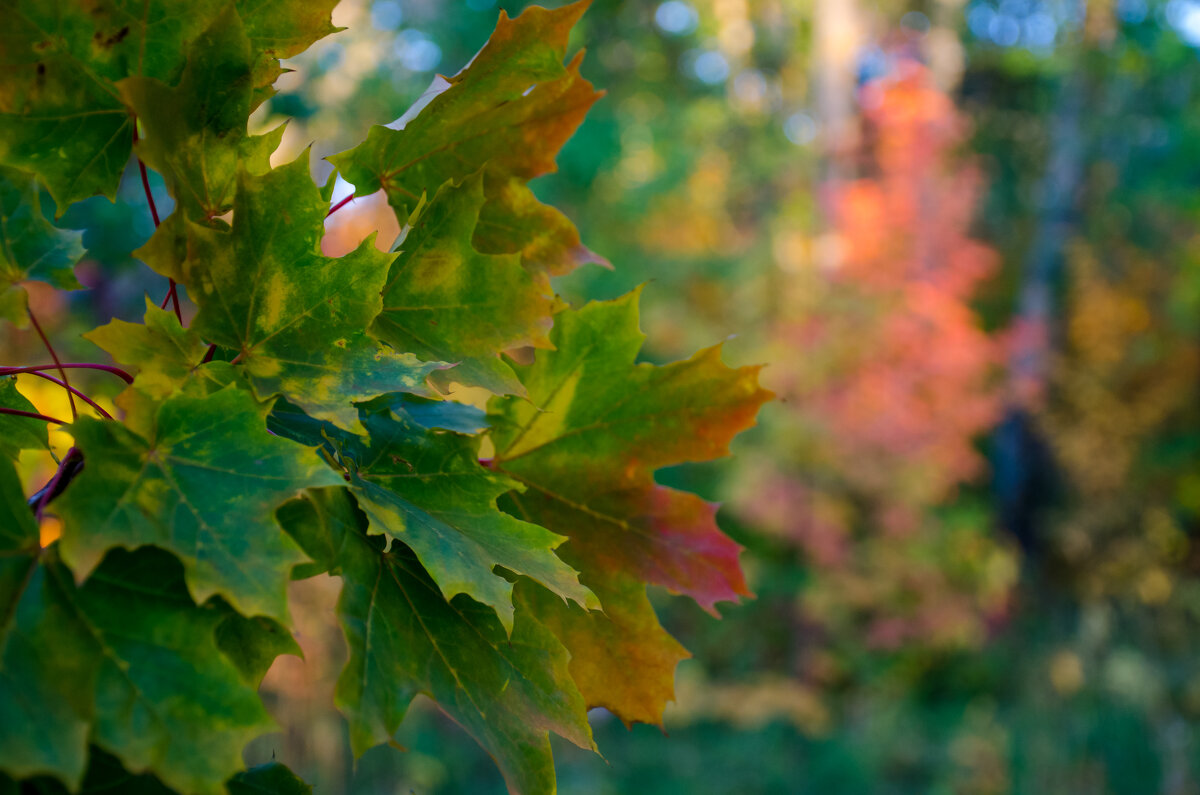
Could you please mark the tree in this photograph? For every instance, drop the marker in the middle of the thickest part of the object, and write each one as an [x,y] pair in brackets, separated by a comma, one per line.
[300,424]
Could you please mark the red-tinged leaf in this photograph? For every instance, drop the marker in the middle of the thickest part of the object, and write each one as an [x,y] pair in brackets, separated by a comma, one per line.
[586,450]
[663,536]
[597,427]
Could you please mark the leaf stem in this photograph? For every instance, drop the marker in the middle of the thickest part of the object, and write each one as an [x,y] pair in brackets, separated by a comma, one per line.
[31,414]
[172,293]
[74,391]
[172,296]
[62,370]
[68,468]
[208,355]
[34,368]
[340,205]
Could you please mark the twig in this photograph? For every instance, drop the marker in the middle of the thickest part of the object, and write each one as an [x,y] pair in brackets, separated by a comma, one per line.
[340,205]
[172,293]
[62,370]
[34,368]
[31,414]
[74,391]
[68,468]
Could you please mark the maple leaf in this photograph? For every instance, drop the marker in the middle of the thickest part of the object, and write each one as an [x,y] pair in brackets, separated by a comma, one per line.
[269,779]
[511,109]
[297,317]
[587,458]
[513,221]
[62,116]
[506,690]
[252,644]
[130,636]
[145,631]
[196,131]
[444,301]
[30,246]
[203,486]
[162,351]
[280,29]
[621,658]
[19,433]
[426,489]
[105,774]
[167,359]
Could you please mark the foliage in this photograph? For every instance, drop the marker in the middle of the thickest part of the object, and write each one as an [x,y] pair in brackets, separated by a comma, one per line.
[895,383]
[303,423]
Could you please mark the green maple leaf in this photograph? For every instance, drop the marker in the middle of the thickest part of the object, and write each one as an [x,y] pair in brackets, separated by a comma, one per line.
[44,705]
[252,644]
[30,246]
[511,109]
[445,301]
[426,489]
[269,779]
[167,359]
[280,29]
[297,318]
[127,661]
[586,450]
[162,351]
[19,433]
[195,132]
[62,116]
[507,690]
[204,486]
[105,775]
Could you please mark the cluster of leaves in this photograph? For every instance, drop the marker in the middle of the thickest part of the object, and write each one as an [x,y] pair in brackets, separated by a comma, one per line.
[298,426]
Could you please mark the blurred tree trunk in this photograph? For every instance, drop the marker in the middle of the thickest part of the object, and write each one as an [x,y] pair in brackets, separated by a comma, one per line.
[839,33]
[1022,463]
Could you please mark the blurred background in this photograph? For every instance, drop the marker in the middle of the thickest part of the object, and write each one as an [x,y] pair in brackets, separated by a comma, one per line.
[965,236]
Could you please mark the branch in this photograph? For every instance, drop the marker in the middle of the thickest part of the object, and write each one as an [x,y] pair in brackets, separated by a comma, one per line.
[62,371]
[68,468]
[31,414]
[340,205]
[172,293]
[34,368]
[74,391]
